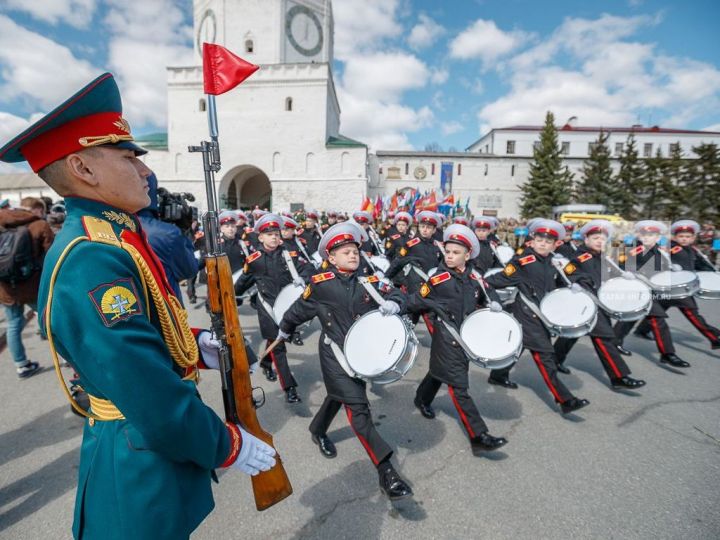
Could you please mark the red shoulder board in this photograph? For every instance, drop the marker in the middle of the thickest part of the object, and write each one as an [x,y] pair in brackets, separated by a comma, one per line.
[254,256]
[584,257]
[440,278]
[527,260]
[319,278]
[676,249]
[293,253]
[412,242]
[637,251]
[395,236]
[373,279]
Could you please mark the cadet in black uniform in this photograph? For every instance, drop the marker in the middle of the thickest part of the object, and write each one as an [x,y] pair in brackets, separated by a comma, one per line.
[395,241]
[310,235]
[487,257]
[568,249]
[229,241]
[364,219]
[337,298]
[453,293]
[534,275]
[684,254]
[647,259]
[589,270]
[270,269]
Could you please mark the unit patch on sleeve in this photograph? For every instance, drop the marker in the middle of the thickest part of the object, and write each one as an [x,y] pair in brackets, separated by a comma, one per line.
[307,292]
[585,257]
[116,301]
[570,268]
[509,269]
[424,290]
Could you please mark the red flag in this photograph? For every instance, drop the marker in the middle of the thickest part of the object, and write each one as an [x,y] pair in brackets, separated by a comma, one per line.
[222,70]
[367,205]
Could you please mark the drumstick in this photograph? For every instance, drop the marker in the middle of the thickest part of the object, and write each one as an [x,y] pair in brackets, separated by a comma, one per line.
[270,348]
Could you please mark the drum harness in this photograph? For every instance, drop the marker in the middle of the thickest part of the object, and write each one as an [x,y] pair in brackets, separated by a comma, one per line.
[305,253]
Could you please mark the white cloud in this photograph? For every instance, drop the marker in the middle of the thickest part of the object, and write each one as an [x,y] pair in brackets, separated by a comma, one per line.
[450,128]
[714,127]
[439,76]
[425,33]
[484,40]
[364,26]
[34,66]
[383,75]
[77,13]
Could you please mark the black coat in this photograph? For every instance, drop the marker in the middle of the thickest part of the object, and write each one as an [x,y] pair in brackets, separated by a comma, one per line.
[567,250]
[486,259]
[688,258]
[393,244]
[232,248]
[420,252]
[452,296]
[311,239]
[337,300]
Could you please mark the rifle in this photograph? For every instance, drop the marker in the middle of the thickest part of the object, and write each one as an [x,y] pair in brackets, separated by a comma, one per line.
[269,487]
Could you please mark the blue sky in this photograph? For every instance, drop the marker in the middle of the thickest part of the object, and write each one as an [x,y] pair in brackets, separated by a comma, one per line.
[408,72]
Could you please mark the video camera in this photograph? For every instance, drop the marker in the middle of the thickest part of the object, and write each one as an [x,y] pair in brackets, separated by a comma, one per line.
[174,208]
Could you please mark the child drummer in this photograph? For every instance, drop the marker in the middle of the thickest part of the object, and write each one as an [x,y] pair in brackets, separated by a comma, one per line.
[337,297]
[453,293]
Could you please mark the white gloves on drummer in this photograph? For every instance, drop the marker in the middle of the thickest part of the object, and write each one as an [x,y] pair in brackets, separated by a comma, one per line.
[576,288]
[628,275]
[283,335]
[676,267]
[495,306]
[255,456]
[209,348]
[388,307]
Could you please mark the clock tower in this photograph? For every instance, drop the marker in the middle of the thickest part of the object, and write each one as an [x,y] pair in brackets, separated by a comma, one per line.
[267,31]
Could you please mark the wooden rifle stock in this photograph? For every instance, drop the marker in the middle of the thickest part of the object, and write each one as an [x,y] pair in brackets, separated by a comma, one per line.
[269,487]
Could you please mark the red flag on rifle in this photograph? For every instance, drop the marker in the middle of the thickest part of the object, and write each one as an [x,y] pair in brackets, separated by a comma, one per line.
[223,70]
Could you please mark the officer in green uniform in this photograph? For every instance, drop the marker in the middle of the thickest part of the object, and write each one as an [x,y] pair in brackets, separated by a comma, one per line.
[149,444]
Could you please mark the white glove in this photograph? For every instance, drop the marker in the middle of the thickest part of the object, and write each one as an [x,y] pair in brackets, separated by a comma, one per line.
[209,348]
[628,275]
[576,288]
[253,367]
[495,306]
[283,335]
[255,456]
[388,307]
[298,282]
[676,267]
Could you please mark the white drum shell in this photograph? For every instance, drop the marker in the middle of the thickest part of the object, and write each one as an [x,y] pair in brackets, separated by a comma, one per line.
[494,337]
[709,285]
[285,299]
[505,253]
[507,295]
[570,314]
[625,299]
[674,285]
[380,348]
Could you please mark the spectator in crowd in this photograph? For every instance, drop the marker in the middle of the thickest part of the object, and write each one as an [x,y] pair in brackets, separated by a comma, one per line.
[22,288]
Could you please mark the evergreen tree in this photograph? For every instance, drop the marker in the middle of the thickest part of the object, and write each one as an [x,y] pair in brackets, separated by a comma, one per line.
[651,191]
[628,180]
[701,184]
[597,185]
[673,174]
[549,181]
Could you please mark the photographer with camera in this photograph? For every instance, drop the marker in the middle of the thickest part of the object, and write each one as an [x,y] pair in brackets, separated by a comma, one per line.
[166,222]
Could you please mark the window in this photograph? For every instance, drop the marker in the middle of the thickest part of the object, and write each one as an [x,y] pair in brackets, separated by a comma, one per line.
[202,107]
[487,148]
[432,169]
[647,150]
[674,147]
[510,147]
[249,46]
[380,170]
[459,169]
[512,170]
[565,149]
[407,168]
[486,169]
[288,104]
[618,148]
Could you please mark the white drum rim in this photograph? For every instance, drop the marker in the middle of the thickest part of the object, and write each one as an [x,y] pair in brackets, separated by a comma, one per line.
[357,323]
[496,363]
[277,316]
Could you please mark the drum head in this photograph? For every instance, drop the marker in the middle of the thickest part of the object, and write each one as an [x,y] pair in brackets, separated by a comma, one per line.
[505,253]
[491,335]
[381,262]
[566,308]
[316,257]
[709,281]
[624,295]
[375,343]
[285,299]
[669,279]
[492,272]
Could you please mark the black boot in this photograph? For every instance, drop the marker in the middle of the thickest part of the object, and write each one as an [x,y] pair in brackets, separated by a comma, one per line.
[392,484]
[505,383]
[562,369]
[426,410]
[291,395]
[623,350]
[627,382]
[674,360]
[297,340]
[486,443]
[269,373]
[327,448]
[573,404]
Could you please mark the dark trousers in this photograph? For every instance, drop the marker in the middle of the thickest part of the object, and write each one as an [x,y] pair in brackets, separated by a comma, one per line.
[191,286]
[465,406]
[278,358]
[547,366]
[361,423]
[606,351]
[688,307]
[658,326]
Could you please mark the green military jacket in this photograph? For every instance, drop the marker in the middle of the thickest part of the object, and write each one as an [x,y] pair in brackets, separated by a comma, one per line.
[149,474]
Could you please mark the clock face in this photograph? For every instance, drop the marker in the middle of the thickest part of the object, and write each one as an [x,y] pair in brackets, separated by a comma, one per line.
[304,30]
[206,29]
[420,173]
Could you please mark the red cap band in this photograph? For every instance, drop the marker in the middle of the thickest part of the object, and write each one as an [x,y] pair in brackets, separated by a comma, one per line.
[339,239]
[460,238]
[269,224]
[546,230]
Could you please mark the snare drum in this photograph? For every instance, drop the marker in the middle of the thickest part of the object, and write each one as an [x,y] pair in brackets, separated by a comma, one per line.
[380,348]
[709,285]
[569,314]
[674,285]
[285,299]
[507,295]
[505,253]
[380,262]
[625,299]
[494,337]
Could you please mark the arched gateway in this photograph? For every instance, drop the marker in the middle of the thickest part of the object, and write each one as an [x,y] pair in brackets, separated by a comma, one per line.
[245,186]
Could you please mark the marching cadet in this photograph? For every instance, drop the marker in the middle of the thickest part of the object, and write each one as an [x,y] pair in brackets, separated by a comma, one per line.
[453,293]
[337,298]
[568,249]
[589,269]
[249,236]
[487,257]
[395,241]
[647,259]
[387,228]
[310,236]
[331,218]
[364,219]
[687,256]
[461,220]
[534,274]
[438,234]
[109,310]
[273,267]
[229,243]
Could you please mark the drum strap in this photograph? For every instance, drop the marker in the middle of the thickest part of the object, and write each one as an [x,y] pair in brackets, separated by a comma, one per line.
[244,248]
[340,357]
[371,291]
[419,272]
[376,270]
[237,275]
[268,308]
[536,310]
[304,251]
[291,265]
[456,336]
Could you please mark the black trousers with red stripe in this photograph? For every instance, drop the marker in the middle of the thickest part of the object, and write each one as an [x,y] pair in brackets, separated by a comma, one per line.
[278,358]
[657,325]
[362,425]
[689,308]
[465,406]
[608,354]
[547,364]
